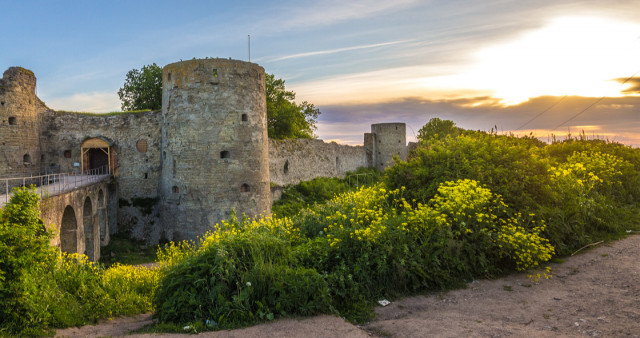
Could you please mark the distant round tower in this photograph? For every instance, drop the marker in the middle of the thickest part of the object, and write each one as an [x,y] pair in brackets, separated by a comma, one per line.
[214,144]
[389,139]
[19,127]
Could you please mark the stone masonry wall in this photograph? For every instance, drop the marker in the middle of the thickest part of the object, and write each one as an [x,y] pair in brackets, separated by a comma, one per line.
[19,150]
[292,161]
[214,146]
[137,173]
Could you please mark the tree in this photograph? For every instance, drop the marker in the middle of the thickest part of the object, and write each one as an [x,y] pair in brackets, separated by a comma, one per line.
[285,118]
[438,129]
[142,89]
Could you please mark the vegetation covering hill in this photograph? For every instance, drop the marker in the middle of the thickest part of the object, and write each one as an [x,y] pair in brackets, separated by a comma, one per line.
[465,205]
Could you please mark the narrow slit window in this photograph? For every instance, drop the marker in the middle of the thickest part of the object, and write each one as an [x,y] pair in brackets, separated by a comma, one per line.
[175,189]
[244,118]
[13,120]
[225,154]
[244,188]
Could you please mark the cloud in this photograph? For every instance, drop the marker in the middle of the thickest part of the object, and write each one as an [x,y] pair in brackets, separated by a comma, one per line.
[330,12]
[96,102]
[633,85]
[614,118]
[338,50]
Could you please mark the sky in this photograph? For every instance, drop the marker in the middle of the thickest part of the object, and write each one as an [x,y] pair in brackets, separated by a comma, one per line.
[544,67]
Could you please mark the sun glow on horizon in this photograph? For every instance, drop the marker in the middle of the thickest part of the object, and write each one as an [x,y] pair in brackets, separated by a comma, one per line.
[570,56]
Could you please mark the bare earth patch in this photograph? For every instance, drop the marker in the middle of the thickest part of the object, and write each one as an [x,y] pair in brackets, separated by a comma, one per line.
[596,293]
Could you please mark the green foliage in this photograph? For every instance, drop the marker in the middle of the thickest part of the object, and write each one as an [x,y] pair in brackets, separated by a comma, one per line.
[438,129]
[509,166]
[321,189]
[41,289]
[285,118]
[340,256]
[142,89]
[25,256]
[103,114]
[238,275]
[585,190]
[124,250]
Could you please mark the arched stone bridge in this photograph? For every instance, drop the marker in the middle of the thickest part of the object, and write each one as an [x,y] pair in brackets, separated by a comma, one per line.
[78,207]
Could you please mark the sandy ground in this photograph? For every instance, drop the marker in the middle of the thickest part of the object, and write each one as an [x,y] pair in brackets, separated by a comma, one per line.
[595,293]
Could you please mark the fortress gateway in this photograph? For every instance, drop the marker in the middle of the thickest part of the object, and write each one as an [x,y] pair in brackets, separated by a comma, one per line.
[179,171]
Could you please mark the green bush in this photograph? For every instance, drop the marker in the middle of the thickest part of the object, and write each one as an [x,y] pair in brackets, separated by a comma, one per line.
[25,256]
[341,256]
[41,289]
[238,275]
[509,166]
[321,189]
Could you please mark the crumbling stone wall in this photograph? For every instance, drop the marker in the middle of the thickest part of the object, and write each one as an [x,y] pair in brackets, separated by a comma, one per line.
[136,144]
[292,161]
[214,144]
[19,106]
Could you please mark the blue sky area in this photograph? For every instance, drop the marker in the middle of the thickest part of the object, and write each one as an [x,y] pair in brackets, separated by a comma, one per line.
[482,64]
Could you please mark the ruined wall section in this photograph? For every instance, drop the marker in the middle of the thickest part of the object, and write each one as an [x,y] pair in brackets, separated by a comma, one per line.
[215,148]
[19,151]
[390,140]
[136,144]
[292,161]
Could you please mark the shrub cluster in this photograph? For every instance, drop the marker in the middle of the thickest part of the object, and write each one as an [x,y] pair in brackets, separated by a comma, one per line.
[321,189]
[337,257]
[41,289]
[464,205]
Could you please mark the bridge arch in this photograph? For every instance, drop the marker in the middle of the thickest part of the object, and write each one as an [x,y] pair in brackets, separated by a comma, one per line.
[102,216]
[69,231]
[88,225]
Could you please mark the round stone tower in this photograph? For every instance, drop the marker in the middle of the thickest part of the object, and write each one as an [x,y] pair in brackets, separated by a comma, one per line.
[19,127]
[389,139]
[214,145]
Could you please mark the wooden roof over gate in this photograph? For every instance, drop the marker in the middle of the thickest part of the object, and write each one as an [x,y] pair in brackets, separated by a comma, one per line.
[97,142]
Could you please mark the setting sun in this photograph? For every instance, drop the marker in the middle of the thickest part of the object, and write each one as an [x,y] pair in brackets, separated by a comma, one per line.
[570,56]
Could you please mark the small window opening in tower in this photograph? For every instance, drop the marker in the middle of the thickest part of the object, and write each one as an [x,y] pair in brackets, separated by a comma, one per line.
[286,167]
[174,168]
[13,120]
[42,158]
[2,103]
[175,189]
[399,141]
[67,154]
[244,118]
[215,73]
[26,158]
[146,175]
[244,188]
[168,76]
[225,154]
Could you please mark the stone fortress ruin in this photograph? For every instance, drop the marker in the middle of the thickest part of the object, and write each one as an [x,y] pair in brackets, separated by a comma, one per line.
[178,171]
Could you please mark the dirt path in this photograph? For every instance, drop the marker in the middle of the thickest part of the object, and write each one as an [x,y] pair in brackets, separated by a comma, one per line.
[596,293]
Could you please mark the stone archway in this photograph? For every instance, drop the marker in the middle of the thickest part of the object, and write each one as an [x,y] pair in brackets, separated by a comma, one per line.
[87,223]
[102,216]
[69,231]
[97,156]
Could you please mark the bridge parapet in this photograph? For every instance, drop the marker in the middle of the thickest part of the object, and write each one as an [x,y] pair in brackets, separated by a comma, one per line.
[52,184]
